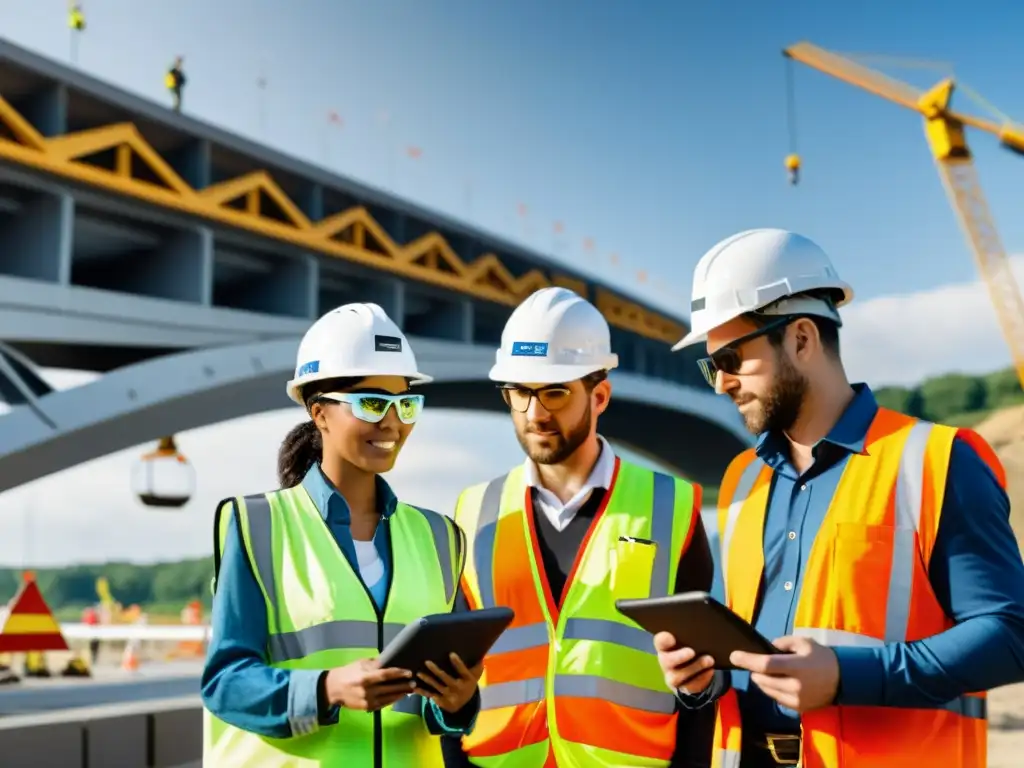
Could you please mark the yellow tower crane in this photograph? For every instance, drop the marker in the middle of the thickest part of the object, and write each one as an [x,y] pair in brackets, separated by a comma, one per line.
[944,130]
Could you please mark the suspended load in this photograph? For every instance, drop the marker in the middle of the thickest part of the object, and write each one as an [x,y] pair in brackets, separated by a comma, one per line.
[164,478]
[793,168]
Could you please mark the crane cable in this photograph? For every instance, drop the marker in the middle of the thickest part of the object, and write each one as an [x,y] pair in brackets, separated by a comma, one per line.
[793,158]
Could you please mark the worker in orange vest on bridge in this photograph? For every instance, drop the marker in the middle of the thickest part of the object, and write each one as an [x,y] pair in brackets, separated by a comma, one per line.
[874,548]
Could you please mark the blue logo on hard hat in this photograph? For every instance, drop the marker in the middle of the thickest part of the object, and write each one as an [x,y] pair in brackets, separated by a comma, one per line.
[529,349]
[313,366]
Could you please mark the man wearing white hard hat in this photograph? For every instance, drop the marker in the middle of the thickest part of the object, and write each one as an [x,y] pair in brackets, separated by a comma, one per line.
[560,538]
[872,547]
[311,580]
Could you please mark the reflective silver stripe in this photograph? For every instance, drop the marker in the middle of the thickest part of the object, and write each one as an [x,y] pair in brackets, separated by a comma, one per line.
[729,758]
[512,693]
[624,694]
[662,519]
[909,500]
[598,630]
[838,637]
[966,706]
[409,705]
[486,530]
[258,515]
[439,527]
[743,489]
[609,632]
[331,635]
[520,638]
[582,686]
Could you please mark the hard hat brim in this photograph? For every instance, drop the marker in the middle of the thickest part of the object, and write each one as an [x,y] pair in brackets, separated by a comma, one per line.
[542,373]
[294,386]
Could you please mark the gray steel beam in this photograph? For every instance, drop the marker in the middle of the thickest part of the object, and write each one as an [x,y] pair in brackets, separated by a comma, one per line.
[185,391]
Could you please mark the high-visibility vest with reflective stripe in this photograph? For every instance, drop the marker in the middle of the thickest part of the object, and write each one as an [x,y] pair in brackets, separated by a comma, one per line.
[321,616]
[866,585]
[579,683]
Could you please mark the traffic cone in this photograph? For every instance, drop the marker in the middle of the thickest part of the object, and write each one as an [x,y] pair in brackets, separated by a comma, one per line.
[130,658]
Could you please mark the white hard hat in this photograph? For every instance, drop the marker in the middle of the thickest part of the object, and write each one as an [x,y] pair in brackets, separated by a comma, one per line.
[757,268]
[357,340]
[553,337]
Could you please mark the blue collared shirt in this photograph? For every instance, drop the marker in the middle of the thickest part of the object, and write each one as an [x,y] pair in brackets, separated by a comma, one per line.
[976,572]
[237,684]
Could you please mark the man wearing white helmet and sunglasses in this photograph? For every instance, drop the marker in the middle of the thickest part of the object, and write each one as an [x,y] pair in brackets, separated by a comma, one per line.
[572,682]
[873,548]
[312,580]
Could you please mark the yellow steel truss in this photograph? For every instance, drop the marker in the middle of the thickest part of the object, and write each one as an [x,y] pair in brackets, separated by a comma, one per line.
[255,202]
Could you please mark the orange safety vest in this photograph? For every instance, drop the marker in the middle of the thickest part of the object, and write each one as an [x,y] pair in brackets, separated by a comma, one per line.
[575,683]
[867,585]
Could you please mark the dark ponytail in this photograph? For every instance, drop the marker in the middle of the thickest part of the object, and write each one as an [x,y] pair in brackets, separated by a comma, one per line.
[299,451]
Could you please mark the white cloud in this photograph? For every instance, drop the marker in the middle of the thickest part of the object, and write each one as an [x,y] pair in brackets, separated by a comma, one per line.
[902,339]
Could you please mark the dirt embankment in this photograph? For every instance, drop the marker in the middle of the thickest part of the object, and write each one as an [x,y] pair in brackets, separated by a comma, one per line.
[1004,431]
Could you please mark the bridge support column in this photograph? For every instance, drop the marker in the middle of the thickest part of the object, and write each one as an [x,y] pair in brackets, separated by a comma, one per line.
[181,269]
[192,162]
[312,202]
[640,358]
[391,296]
[37,243]
[47,110]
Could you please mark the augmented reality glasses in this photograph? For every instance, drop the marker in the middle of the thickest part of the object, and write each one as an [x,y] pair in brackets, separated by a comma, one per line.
[729,358]
[373,407]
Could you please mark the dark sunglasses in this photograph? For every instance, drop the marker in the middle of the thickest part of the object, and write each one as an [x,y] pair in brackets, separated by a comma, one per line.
[729,358]
[553,398]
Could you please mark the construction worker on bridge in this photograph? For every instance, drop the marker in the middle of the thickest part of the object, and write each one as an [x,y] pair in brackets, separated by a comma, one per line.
[874,548]
[312,580]
[559,539]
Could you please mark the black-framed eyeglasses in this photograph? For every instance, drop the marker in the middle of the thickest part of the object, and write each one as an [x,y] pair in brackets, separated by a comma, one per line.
[729,358]
[553,397]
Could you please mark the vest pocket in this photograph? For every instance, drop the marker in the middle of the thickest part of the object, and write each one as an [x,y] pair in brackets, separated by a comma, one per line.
[631,565]
[861,565]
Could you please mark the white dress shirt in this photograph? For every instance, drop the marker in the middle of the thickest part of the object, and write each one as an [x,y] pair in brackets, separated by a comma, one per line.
[546,502]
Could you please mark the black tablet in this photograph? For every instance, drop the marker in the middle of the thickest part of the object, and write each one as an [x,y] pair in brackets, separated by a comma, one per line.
[696,620]
[431,638]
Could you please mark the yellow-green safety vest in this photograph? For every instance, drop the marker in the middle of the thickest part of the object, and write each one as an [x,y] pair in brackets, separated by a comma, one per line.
[321,616]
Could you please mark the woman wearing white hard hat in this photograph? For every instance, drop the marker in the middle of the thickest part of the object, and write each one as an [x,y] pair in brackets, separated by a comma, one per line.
[314,579]
[872,548]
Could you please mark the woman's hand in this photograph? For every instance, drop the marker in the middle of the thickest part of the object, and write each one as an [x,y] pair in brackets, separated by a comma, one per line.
[363,685]
[453,693]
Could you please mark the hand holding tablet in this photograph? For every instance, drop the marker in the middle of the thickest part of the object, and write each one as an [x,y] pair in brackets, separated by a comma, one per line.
[697,621]
[426,648]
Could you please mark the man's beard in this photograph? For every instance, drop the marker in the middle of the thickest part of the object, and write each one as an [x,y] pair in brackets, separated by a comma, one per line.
[560,446]
[779,409]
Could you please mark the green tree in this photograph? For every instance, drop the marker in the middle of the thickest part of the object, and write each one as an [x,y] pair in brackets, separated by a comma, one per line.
[952,394]
[902,399]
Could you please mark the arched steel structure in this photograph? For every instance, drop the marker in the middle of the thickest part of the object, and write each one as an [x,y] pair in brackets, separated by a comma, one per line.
[692,431]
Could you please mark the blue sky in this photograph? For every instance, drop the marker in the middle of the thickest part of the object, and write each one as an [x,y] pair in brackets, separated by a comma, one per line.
[656,134]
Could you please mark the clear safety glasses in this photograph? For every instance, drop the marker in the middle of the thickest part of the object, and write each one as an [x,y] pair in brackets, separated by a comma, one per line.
[553,398]
[373,407]
[729,358]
